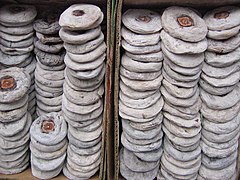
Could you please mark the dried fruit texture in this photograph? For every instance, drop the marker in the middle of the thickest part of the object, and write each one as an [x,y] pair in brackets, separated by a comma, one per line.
[140,101]
[222,18]
[8,83]
[220,94]
[17,15]
[184,23]
[81,17]
[142,21]
[48,126]
[82,101]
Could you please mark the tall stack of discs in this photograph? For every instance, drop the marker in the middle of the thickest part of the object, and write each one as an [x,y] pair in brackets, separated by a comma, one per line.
[48,145]
[49,73]
[82,103]
[220,94]
[140,100]
[15,121]
[183,44]
[16,42]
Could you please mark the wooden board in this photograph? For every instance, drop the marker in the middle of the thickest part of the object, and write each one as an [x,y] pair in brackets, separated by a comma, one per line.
[27,175]
[179,2]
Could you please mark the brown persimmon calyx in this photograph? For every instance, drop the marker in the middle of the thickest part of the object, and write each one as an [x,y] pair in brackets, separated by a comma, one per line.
[78,12]
[144,19]
[185,21]
[7,83]
[221,15]
[48,126]
[16,9]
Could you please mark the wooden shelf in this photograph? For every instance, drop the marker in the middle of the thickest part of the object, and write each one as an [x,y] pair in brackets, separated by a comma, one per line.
[27,175]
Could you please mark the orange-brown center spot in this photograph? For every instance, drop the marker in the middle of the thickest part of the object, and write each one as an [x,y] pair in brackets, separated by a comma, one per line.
[144,19]
[185,21]
[48,126]
[7,83]
[221,15]
[16,9]
[78,12]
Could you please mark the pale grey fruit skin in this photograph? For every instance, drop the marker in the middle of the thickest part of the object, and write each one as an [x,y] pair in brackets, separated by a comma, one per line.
[90,56]
[140,103]
[140,39]
[46,174]
[142,27]
[139,75]
[140,49]
[86,98]
[220,116]
[142,113]
[72,37]
[173,169]
[183,60]
[219,91]
[137,165]
[89,20]
[223,34]
[181,155]
[194,33]
[225,173]
[16,170]
[84,48]
[224,23]
[219,153]
[73,173]
[22,84]
[49,59]
[77,66]
[23,43]
[178,46]
[140,148]
[16,51]
[151,156]
[189,71]
[142,85]
[20,30]
[220,72]
[128,174]
[44,27]
[49,48]
[179,92]
[180,101]
[6,59]
[83,160]
[48,165]
[50,75]
[89,136]
[54,137]
[17,19]
[218,163]
[150,57]
[228,81]
[221,102]
[15,127]
[178,76]
[181,141]
[224,46]
[221,128]
[138,134]
[222,60]
[15,38]
[136,66]
[48,39]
